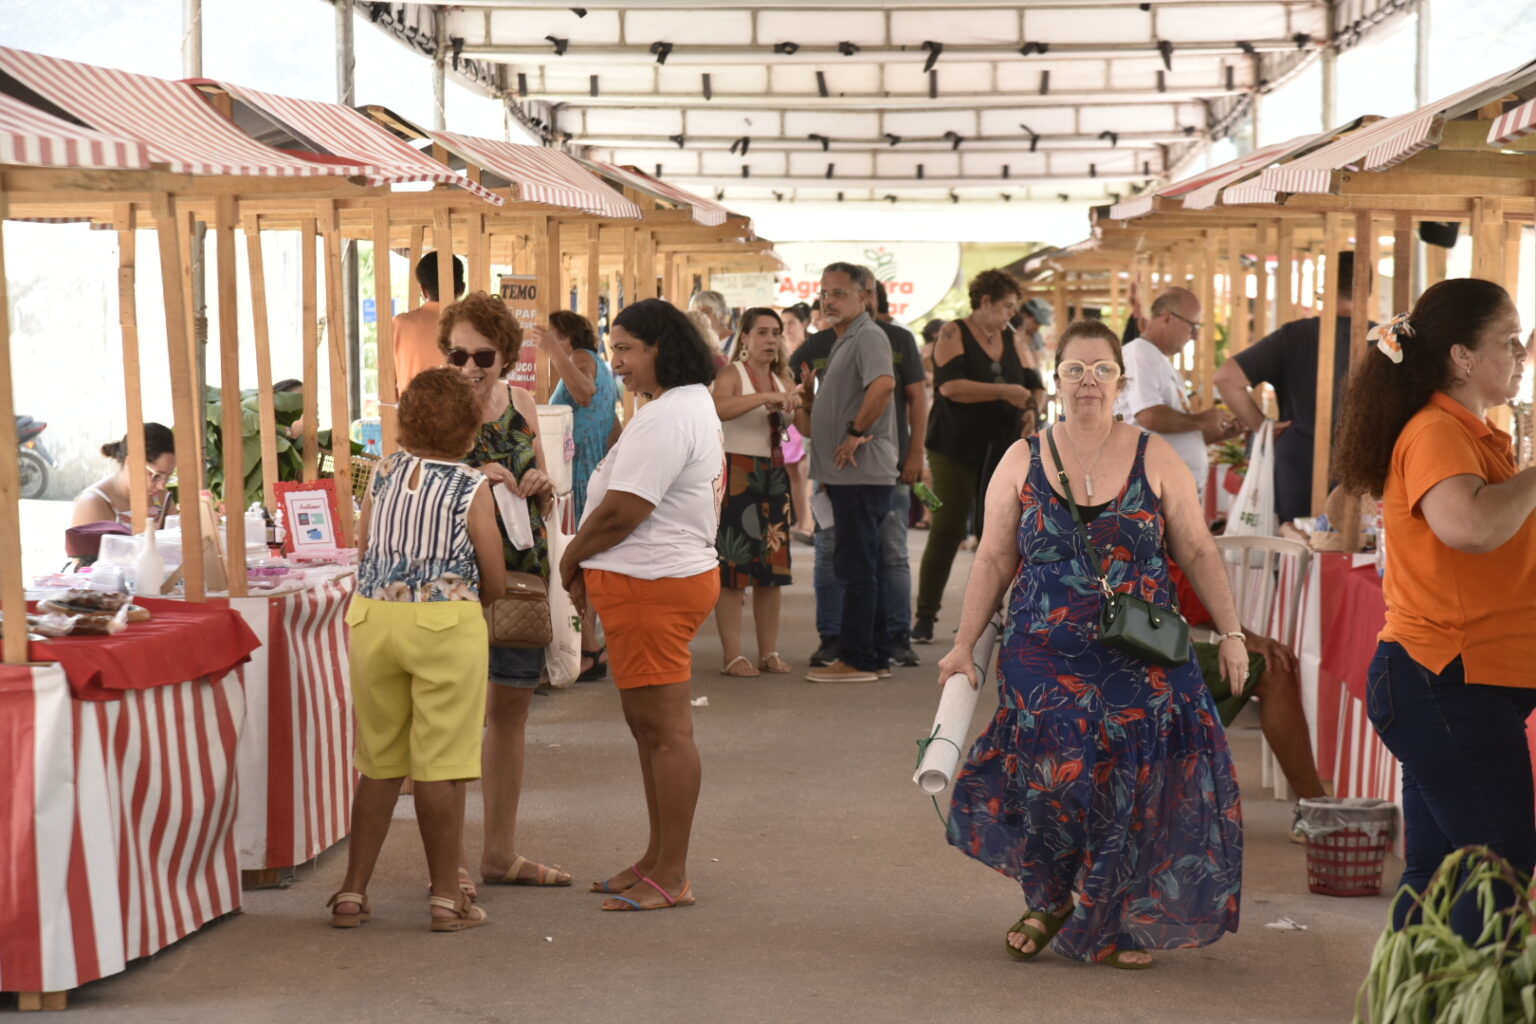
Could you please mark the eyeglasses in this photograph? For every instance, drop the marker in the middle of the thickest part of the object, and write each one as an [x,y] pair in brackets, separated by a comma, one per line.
[156,477]
[997,372]
[484,358]
[1194,325]
[1073,371]
[838,293]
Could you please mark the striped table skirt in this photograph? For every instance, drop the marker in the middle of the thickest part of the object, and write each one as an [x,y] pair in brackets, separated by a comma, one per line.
[116,823]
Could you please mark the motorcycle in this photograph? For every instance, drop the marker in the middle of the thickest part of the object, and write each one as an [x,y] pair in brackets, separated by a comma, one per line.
[32,459]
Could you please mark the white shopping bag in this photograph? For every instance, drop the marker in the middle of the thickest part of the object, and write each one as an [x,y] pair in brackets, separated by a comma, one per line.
[514,516]
[562,658]
[1253,510]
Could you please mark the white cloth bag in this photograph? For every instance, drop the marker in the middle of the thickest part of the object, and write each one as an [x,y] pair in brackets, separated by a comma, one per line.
[1253,510]
[562,658]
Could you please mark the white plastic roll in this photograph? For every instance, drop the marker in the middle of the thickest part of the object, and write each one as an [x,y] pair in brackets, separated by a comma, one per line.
[941,757]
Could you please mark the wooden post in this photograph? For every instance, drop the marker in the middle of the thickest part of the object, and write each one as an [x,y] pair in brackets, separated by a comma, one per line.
[1511,278]
[1285,272]
[257,272]
[187,403]
[1114,299]
[1237,295]
[309,291]
[13,597]
[645,263]
[632,266]
[1434,264]
[384,320]
[479,279]
[592,287]
[1205,345]
[229,395]
[669,282]
[336,313]
[1333,230]
[1488,238]
[442,242]
[1059,306]
[1403,246]
[133,398]
[412,286]
[1360,287]
[546,256]
[1261,281]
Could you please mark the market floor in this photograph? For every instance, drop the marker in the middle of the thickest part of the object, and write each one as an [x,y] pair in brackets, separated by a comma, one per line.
[826,892]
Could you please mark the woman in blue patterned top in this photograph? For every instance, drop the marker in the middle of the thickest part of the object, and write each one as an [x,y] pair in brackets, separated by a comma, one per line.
[587,386]
[430,557]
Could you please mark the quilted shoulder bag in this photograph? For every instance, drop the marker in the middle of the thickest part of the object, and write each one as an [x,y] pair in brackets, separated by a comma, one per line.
[1144,630]
[520,617]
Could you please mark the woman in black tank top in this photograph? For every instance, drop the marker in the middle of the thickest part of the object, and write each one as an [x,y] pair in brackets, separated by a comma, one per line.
[985,399]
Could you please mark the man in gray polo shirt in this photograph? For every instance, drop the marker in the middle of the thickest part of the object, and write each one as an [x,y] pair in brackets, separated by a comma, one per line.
[852,426]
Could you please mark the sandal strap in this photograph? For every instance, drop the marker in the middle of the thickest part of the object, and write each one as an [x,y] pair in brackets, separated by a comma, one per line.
[664,895]
[445,903]
[732,663]
[347,897]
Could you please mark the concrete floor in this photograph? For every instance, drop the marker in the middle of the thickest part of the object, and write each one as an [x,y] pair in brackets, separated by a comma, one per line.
[826,892]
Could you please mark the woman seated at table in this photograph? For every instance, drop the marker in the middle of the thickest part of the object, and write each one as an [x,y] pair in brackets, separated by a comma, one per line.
[108,500]
[1454,676]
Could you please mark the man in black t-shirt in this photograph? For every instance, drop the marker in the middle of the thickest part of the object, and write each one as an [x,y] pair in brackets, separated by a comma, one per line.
[1287,361]
[911,426]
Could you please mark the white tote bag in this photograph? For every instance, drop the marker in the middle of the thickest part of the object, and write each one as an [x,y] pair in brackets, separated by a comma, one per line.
[1253,510]
[562,658]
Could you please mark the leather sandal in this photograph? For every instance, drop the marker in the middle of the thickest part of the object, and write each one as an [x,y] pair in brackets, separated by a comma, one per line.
[466,886]
[543,875]
[597,670]
[469,915]
[1040,937]
[341,920]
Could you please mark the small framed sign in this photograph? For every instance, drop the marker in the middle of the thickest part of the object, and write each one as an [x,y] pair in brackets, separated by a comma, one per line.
[309,517]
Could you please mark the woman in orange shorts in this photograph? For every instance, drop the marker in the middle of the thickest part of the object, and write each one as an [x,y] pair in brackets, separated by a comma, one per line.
[645,558]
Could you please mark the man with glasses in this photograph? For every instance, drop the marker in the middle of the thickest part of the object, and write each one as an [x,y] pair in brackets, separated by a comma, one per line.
[1153,396]
[850,420]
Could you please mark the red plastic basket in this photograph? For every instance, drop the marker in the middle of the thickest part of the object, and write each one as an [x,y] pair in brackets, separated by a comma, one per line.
[1347,863]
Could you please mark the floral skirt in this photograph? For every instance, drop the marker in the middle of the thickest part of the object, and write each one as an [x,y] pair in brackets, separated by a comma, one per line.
[753,541]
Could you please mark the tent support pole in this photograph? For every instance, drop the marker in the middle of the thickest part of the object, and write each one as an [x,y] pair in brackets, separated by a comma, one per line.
[257,271]
[1333,229]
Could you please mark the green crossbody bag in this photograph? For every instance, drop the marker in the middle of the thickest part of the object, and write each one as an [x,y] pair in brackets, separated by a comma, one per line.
[1140,628]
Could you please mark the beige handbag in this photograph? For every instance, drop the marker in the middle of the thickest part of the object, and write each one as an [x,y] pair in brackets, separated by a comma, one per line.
[520,618]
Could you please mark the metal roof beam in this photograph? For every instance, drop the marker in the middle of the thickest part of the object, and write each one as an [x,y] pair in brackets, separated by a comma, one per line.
[888,102]
[1128,142]
[872,5]
[816,181]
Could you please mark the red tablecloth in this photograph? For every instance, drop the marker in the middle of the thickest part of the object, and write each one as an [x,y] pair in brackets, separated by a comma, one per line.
[1354,612]
[181,641]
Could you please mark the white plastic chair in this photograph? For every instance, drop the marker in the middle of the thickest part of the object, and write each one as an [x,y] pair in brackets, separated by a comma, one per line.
[1268,576]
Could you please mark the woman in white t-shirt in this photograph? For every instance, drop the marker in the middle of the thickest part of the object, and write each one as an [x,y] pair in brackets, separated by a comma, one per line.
[645,557]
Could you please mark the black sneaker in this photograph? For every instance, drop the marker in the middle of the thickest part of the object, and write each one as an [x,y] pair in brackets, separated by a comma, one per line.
[903,654]
[826,654]
[922,630]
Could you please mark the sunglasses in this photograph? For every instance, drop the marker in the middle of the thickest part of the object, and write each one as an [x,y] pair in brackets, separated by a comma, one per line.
[484,358]
[1073,371]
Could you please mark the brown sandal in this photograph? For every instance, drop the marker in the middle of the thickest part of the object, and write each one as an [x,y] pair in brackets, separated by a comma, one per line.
[341,920]
[542,875]
[469,915]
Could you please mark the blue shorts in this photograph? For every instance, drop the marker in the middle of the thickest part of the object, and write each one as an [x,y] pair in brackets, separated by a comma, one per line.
[519,668]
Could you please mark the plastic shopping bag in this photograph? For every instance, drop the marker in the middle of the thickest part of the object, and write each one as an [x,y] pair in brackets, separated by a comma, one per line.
[1253,510]
[562,658]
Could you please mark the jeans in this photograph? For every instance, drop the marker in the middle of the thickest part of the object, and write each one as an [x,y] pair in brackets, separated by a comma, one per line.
[898,575]
[956,485]
[1466,769]
[858,510]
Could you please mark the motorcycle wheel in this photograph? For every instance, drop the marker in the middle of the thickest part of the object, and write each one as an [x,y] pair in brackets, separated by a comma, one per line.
[34,474]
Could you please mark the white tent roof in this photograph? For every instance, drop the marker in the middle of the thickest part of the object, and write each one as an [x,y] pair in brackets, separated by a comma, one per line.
[822,99]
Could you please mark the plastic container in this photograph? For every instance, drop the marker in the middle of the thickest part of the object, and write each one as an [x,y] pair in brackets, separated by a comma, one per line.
[557,437]
[149,569]
[1347,843]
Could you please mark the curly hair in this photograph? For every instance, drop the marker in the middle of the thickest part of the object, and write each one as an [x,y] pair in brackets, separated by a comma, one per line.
[749,319]
[996,285]
[1383,396]
[438,413]
[574,327]
[490,318]
[1089,329]
[682,356]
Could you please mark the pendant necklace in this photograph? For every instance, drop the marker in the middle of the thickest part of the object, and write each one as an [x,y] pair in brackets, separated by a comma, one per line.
[1088,466]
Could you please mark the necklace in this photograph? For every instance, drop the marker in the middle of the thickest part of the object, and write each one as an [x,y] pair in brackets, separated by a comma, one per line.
[1087,465]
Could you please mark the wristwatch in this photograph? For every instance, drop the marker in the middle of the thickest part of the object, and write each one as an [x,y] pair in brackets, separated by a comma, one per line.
[856,433]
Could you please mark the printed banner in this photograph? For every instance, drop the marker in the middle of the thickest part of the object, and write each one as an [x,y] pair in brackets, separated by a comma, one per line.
[916,275]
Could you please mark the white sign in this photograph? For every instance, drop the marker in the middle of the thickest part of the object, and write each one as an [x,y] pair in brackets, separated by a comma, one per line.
[521,294]
[916,275]
[743,291]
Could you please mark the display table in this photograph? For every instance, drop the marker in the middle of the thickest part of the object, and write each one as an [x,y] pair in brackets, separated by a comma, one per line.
[295,757]
[117,825]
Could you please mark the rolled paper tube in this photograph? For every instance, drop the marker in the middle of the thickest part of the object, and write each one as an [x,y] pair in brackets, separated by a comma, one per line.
[942,749]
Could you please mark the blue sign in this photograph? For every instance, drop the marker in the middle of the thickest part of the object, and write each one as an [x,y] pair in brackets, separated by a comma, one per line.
[371,309]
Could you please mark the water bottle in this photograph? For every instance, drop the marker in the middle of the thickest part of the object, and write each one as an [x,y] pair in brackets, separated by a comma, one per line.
[926,496]
[149,570]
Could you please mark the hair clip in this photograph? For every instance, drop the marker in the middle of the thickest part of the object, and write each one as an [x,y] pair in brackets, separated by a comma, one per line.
[1388,336]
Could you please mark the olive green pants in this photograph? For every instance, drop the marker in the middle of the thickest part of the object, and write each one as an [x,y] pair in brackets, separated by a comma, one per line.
[955,484]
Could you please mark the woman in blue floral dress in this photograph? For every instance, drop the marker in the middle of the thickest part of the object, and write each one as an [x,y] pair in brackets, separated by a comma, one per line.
[1103,784]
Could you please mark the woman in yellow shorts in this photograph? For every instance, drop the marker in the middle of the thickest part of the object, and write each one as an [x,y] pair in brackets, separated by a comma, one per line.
[645,558]
[430,556]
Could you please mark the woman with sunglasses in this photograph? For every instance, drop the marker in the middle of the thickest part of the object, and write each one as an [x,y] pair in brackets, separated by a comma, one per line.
[480,337]
[985,398]
[755,402]
[1103,784]
[108,500]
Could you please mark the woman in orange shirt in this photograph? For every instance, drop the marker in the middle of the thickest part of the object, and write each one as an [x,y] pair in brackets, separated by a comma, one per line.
[1454,678]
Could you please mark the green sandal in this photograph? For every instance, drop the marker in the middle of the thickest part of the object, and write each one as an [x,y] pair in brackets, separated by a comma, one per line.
[1041,939]
[1116,960]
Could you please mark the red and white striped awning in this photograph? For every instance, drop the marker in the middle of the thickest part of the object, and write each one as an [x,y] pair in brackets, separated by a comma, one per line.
[343,132]
[1516,124]
[175,124]
[705,211]
[541,175]
[1389,142]
[32,138]
[1223,174]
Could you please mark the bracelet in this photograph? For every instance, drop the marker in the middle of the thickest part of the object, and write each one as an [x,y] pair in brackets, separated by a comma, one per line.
[1236,634]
